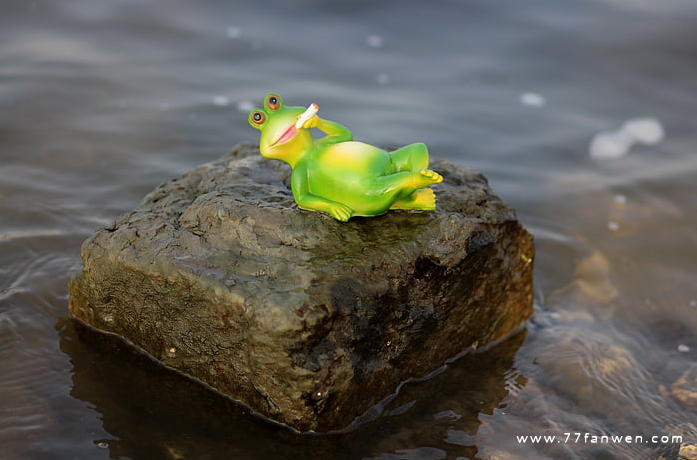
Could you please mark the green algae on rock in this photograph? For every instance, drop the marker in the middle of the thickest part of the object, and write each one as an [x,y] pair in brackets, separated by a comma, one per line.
[307,320]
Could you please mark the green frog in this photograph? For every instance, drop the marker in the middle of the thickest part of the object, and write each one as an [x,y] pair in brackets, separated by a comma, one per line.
[337,175]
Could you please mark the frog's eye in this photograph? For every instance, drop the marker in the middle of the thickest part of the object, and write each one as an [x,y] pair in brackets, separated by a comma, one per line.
[273,102]
[257,117]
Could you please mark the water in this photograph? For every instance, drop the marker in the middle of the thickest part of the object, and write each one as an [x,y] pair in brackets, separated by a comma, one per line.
[102,100]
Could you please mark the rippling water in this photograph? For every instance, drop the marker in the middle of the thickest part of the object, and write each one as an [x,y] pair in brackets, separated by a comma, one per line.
[102,100]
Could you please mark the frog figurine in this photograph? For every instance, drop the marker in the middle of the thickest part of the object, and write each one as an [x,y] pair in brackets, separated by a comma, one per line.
[337,175]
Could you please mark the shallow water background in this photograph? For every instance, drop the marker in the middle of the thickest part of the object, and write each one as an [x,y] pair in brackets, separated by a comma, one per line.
[102,100]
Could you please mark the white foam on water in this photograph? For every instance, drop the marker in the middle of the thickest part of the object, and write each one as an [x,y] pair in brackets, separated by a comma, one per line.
[233,32]
[532,100]
[648,131]
[620,199]
[382,78]
[608,145]
[245,106]
[374,41]
[221,101]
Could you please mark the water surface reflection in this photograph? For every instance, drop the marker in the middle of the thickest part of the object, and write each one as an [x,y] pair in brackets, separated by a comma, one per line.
[103,100]
[186,421]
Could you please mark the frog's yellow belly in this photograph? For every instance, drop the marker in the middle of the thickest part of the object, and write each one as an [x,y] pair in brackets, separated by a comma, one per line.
[349,159]
[346,172]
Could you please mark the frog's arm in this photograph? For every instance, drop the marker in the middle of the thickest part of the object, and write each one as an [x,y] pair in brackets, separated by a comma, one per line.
[335,132]
[310,202]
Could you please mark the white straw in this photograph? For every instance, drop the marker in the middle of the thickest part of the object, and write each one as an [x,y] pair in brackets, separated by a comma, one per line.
[306,115]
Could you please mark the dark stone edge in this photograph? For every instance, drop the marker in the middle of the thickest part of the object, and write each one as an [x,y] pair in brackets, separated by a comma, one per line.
[106,341]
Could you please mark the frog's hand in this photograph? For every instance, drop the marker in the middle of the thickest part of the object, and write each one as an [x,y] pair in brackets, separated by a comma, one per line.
[306,116]
[311,123]
[337,210]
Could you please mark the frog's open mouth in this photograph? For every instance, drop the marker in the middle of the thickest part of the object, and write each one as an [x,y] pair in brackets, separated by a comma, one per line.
[287,135]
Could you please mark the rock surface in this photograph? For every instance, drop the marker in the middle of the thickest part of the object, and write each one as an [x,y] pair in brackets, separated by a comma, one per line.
[685,388]
[307,320]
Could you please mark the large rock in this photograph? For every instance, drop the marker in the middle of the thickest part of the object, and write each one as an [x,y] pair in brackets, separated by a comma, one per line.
[307,320]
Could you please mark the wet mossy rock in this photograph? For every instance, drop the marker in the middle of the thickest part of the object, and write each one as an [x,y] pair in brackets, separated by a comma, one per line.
[307,320]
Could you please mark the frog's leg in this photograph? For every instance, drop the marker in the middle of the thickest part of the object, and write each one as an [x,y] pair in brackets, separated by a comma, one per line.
[424,199]
[402,189]
[412,157]
[310,202]
[335,132]
[404,182]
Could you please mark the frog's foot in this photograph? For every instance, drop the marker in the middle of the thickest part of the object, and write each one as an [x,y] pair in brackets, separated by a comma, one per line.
[426,177]
[424,199]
